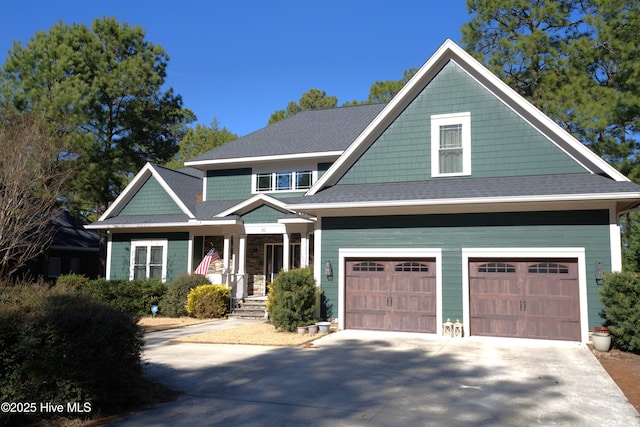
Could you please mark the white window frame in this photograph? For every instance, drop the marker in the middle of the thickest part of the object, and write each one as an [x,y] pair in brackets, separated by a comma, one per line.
[274,176]
[148,244]
[438,120]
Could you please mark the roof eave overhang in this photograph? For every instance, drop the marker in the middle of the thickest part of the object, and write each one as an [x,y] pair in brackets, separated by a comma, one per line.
[299,220]
[189,224]
[499,203]
[137,183]
[449,51]
[251,161]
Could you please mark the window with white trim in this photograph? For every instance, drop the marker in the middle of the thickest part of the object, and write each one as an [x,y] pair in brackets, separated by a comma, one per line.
[451,144]
[283,181]
[148,260]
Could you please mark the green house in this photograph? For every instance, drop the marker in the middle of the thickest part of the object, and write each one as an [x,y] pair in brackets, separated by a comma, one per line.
[456,202]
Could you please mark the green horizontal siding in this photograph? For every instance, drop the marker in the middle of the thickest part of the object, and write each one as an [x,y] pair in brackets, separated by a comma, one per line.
[451,233]
[151,198]
[177,257]
[229,184]
[262,215]
[502,143]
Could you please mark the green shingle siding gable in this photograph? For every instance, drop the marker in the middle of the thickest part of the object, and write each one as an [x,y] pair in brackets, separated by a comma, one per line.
[229,184]
[262,215]
[502,143]
[451,233]
[177,247]
[151,199]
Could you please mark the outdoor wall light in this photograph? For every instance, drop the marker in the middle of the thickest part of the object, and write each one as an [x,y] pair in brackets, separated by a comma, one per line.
[328,271]
[599,274]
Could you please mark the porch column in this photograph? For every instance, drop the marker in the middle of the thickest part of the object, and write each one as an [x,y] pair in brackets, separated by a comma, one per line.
[285,252]
[304,250]
[227,259]
[241,282]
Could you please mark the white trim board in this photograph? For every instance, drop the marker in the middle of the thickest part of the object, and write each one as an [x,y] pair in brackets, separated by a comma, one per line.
[577,253]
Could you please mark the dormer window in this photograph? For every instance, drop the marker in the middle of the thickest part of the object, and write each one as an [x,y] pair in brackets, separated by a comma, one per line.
[283,181]
[451,144]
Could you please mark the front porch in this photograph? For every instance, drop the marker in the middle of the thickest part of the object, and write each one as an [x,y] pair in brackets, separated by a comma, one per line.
[249,262]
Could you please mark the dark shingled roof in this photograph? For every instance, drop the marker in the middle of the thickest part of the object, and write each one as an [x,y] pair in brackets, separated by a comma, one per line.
[518,186]
[211,208]
[186,183]
[71,234]
[143,219]
[309,131]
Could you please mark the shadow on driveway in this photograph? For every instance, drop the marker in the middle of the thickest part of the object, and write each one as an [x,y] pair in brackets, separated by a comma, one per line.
[375,379]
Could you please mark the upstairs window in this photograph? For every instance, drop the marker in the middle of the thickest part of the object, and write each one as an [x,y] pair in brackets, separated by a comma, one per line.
[283,181]
[451,144]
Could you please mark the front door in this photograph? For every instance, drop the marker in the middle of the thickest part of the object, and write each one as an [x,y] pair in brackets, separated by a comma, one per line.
[273,259]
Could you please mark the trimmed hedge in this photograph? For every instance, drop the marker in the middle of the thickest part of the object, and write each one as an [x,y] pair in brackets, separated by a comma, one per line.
[208,301]
[59,347]
[174,300]
[132,296]
[620,295]
[293,297]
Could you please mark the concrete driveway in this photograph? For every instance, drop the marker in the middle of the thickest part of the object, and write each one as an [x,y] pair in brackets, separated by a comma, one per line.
[361,378]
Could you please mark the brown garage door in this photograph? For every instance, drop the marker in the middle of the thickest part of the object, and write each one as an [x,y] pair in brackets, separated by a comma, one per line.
[525,298]
[391,295]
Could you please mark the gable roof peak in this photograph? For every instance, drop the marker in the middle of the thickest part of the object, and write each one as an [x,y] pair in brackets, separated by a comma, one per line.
[450,51]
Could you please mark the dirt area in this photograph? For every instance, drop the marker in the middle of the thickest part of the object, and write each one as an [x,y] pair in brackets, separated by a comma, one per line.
[158,323]
[624,368]
[253,334]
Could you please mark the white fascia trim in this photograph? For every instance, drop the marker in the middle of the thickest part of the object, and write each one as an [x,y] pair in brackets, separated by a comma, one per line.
[190,223]
[255,200]
[542,118]
[297,220]
[258,159]
[136,184]
[468,201]
[450,50]
[344,253]
[353,149]
[171,194]
[578,253]
[223,221]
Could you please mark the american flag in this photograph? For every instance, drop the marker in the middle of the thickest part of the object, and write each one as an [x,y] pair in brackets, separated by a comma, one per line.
[211,256]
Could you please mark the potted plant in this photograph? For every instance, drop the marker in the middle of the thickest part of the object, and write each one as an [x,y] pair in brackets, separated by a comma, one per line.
[601,338]
[313,329]
[324,327]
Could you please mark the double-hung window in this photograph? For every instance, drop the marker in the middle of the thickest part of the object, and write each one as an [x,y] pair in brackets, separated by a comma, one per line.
[451,144]
[148,260]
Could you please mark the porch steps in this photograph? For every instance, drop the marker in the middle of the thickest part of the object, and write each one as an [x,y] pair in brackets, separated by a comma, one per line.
[249,309]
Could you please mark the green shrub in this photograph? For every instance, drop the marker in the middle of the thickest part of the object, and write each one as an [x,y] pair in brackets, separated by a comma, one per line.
[132,296]
[72,282]
[620,295]
[174,300]
[293,297]
[208,301]
[63,347]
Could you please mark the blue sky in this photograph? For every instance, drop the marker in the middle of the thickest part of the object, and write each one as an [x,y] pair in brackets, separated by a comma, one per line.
[242,60]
